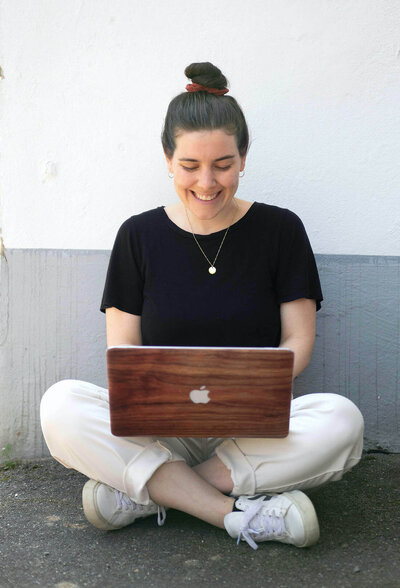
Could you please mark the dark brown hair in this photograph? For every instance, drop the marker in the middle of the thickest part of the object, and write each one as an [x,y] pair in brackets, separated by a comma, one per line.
[198,111]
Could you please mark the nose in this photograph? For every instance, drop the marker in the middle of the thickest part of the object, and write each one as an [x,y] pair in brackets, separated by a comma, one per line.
[206,179]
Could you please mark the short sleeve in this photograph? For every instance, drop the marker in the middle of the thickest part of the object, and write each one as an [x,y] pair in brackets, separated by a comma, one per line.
[297,273]
[124,284]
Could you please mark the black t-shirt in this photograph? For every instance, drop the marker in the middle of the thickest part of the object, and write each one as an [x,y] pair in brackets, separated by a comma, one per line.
[157,271]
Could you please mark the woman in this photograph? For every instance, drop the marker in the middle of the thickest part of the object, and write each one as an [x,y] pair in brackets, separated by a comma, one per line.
[209,270]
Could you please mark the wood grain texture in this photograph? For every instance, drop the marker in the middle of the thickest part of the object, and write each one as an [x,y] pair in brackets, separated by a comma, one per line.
[249,392]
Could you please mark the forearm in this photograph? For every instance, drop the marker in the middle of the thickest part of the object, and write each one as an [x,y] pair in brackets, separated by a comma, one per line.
[302,352]
[298,331]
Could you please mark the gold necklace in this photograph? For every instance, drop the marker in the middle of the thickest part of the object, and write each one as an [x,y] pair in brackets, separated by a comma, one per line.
[212,269]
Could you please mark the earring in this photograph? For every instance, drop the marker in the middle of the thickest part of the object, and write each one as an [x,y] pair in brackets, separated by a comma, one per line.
[241,176]
[169,175]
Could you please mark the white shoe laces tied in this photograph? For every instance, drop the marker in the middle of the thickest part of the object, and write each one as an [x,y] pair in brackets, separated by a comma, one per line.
[126,503]
[273,525]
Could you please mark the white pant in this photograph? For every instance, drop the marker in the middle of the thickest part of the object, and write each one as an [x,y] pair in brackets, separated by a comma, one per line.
[325,440]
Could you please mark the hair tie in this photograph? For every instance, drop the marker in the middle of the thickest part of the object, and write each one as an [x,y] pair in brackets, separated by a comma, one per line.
[198,88]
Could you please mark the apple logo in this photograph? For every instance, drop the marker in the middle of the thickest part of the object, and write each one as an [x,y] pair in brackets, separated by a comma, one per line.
[200,396]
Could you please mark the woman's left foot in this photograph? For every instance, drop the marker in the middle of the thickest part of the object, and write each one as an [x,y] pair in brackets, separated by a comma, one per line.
[289,517]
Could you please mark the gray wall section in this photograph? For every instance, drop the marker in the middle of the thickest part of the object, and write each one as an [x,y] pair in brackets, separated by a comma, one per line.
[51,329]
[357,349]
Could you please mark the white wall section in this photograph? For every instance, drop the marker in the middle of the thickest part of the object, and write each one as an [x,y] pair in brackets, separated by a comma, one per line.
[87,84]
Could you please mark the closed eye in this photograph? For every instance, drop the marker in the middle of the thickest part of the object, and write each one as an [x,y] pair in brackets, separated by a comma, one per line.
[216,167]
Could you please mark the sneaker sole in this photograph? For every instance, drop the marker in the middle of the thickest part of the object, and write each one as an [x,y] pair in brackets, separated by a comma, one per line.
[308,514]
[90,510]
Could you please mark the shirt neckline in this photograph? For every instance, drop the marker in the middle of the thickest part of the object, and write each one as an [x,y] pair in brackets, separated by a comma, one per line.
[211,236]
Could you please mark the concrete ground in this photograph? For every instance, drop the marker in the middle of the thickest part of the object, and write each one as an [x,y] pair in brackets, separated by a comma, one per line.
[46,541]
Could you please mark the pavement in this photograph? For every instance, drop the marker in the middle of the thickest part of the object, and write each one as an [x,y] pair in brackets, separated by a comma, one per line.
[46,541]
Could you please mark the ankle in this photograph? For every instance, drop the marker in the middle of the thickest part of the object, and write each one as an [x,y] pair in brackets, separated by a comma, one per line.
[227,507]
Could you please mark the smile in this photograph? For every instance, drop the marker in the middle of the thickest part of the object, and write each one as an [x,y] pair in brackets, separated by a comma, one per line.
[205,197]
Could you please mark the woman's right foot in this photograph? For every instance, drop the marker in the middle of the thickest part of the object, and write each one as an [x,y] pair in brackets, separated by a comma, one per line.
[108,509]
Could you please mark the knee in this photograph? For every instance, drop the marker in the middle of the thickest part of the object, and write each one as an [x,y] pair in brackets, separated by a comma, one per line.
[57,408]
[331,420]
[347,420]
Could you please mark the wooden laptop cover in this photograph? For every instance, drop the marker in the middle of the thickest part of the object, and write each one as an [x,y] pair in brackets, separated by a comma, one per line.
[249,391]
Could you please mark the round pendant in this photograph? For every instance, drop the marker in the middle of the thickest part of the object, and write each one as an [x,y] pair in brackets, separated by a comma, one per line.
[212,270]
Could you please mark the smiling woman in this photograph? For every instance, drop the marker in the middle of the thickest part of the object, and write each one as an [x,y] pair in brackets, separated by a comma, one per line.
[206,166]
[209,270]
[205,140]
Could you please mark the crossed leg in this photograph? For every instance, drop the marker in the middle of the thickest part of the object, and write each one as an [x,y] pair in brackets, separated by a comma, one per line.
[196,491]
[325,441]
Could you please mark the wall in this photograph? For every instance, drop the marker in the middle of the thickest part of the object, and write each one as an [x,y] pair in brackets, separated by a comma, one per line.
[85,89]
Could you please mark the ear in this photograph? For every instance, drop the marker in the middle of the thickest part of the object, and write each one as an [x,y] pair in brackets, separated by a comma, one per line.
[242,162]
[169,163]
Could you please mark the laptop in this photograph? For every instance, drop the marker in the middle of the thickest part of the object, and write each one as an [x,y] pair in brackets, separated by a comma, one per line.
[199,391]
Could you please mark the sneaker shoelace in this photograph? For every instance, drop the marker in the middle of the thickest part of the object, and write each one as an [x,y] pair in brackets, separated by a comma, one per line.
[161,516]
[267,525]
[126,503]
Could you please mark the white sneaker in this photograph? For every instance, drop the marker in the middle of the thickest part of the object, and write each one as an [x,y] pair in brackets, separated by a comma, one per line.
[108,509]
[289,517]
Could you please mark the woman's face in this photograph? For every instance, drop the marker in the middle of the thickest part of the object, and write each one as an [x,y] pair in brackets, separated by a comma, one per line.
[206,167]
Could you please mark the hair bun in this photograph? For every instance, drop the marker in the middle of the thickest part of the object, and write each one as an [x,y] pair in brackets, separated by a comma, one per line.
[206,74]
